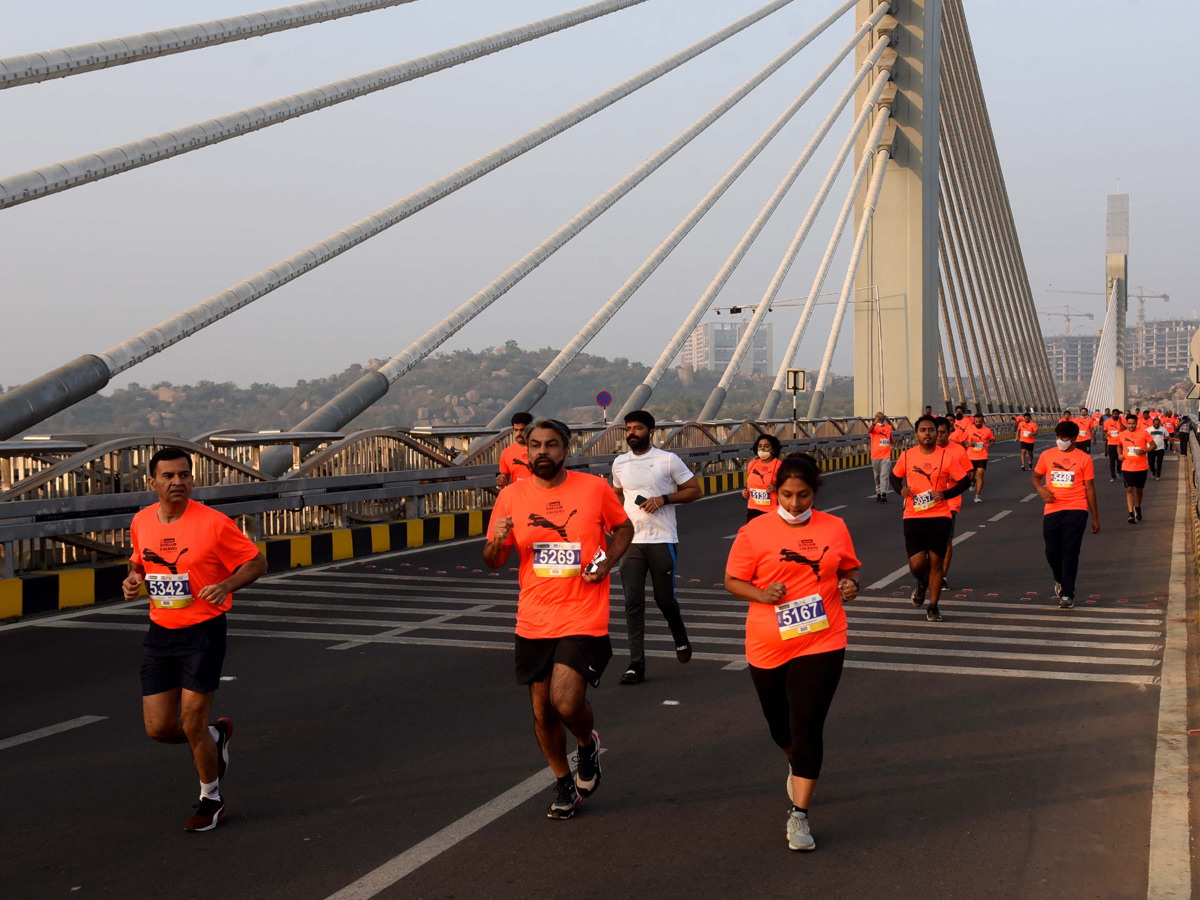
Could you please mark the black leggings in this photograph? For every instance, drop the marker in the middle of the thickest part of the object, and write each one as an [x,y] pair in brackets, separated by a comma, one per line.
[795,699]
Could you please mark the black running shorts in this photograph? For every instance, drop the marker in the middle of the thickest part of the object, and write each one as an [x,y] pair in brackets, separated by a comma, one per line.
[1085,446]
[927,535]
[1134,479]
[1027,445]
[586,654]
[979,464]
[188,658]
[953,522]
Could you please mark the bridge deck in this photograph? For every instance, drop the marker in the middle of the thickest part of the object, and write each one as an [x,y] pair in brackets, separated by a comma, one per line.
[1008,751]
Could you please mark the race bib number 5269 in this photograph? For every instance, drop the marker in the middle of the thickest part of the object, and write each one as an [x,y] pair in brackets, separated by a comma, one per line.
[557,560]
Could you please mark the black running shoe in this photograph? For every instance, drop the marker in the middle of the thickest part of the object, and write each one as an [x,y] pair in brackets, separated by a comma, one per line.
[587,767]
[918,594]
[633,676]
[566,798]
[209,814]
[1132,520]
[225,730]
[1066,603]
[683,650]
[883,498]
[933,614]
[1137,511]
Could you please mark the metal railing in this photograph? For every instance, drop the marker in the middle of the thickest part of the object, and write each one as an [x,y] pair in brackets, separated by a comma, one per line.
[68,500]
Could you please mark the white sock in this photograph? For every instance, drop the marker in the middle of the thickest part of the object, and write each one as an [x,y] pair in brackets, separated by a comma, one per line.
[210,791]
[216,735]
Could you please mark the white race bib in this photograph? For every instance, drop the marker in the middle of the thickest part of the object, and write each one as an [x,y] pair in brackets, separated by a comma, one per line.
[169,591]
[760,497]
[803,616]
[557,560]
[1133,451]
[1062,480]
[923,501]
[979,445]
[885,442]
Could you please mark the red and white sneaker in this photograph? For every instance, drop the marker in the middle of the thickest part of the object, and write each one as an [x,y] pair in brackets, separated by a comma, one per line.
[209,814]
[225,730]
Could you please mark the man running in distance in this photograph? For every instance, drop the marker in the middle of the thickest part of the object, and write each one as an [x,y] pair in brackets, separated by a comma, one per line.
[1026,434]
[191,559]
[649,483]
[557,521]
[514,461]
[881,455]
[979,441]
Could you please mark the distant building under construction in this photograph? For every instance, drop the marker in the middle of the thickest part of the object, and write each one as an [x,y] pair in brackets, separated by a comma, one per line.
[710,347]
[1166,345]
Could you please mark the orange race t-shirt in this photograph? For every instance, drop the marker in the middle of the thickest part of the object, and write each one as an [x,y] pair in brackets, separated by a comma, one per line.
[977,441]
[1026,432]
[1085,424]
[958,434]
[961,455]
[807,559]
[1134,445]
[514,462]
[556,532]
[200,548]
[881,441]
[760,482]
[1066,475]
[1112,430]
[937,471]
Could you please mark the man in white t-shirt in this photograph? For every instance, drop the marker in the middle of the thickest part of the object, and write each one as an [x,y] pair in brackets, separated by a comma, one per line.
[649,482]
[1159,433]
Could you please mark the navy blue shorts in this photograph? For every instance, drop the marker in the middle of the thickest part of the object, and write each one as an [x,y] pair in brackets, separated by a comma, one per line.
[188,658]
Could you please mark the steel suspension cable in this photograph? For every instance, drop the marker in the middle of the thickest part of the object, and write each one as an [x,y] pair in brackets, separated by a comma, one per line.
[956,307]
[864,226]
[948,335]
[337,412]
[964,295]
[91,167]
[44,65]
[643,391]
[860,173]
[537,387]
[1103,383]
[34,401]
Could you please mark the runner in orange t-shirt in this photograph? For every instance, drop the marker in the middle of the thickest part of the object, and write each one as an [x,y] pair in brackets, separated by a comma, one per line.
[880,434]
[943,440]
[1085,423]
[514,461]
[760,477]
[928,477]
[556,521]
[1134,444]
[1112,427]
[1026,434]
[191,559]
[1065,480]
[979,439]
[795,569]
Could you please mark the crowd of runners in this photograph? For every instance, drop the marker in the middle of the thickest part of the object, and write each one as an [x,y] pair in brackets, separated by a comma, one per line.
[792,564]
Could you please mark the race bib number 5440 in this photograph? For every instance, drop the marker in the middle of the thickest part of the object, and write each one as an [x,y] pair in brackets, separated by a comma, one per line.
[557,560]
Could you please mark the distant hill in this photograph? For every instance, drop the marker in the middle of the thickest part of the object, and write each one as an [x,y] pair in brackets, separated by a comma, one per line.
[461,388]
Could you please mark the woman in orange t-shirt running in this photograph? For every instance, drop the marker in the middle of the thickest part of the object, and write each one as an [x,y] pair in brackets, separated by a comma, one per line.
[795,569]
[760,477]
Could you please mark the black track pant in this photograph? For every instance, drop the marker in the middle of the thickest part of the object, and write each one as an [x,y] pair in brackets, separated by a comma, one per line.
[1063,532]
[1183,443]
[1156,460]
[795,699]
[659,561]
[1114,460]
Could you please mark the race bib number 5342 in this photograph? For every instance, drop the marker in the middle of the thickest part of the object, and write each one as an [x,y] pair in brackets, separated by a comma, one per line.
[169,591]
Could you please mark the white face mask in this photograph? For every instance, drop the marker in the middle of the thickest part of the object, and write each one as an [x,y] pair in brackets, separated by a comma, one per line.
[1063,445]
[795,520]
[764,454]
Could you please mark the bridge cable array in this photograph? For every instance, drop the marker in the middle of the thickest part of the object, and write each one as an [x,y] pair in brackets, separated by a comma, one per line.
[1102,389]
[81,170]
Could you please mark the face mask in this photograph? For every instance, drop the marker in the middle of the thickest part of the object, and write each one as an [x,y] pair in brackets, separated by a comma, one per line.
[958,417]
[764,454]
[1063,445]
[795,520]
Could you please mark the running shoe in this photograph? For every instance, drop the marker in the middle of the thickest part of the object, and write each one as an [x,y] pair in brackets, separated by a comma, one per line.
[1066,603]
[945,583]
[791,796]
[933,614]
[587,768]
[1057,591]
[566,798]
[799,837]
[225,730]
[1111,480]
[883,497]
[209,814]
[978,499]
[683,650]
[1132,520]
[632,676]
[1022,468]
[918,594]
[1137,511]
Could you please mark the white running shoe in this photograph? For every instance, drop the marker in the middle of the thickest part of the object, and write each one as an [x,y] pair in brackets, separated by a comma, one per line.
[799,837]
[978,499]
[789,784]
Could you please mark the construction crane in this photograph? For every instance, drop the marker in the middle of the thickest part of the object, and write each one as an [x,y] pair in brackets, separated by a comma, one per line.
[1068,314]
[1142,297]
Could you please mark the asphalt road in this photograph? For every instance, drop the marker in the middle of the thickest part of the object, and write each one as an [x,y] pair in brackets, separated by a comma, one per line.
[1005,752]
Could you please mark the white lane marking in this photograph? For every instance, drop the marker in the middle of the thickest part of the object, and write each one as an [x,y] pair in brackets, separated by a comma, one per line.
[1043,604]
[74,614]
[413,626]
[962,537]
[1003,673]
[1027,498]
[736,666]
[729,537]
[903,570]
[1170,828]
[1000,515]
[1011,642]
[1047,615]
[834,508]
[404,864]
[994,654]
[670,703]
[49,730]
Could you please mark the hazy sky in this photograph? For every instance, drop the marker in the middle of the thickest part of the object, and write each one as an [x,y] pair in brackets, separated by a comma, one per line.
[1080,93]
